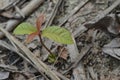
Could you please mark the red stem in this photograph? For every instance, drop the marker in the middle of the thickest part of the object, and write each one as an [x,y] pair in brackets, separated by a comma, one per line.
[42,43]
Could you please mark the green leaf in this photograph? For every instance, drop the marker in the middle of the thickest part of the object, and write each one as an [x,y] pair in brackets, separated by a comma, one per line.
[52,58]
[58,34]
[24,28]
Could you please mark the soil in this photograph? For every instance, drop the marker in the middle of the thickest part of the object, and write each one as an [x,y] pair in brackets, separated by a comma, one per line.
[104,66]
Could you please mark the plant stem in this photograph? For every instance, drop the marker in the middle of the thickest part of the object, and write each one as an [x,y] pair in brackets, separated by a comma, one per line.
[42,43]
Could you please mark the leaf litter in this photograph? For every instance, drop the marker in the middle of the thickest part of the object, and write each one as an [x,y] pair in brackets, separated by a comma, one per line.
[102,61]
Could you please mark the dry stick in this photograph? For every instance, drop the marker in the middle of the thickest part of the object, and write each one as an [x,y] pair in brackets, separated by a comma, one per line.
[53,14]
[9,47]
[60,75]
[19,11]
[27,10]
[15,49]
[105,12]
[59,54]
[23,2]
[97,18]
[93,75]
[6,7]
[34,78]
[74,11]
[39,64]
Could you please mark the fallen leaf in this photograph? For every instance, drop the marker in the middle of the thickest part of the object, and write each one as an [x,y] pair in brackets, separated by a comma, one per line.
[114,43]
[107,24]
[112,48]
[64,54]
[114,52]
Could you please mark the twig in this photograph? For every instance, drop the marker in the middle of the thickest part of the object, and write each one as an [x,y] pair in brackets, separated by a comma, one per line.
[15,61]
[8,67]
[34,78]
[7,7]
[19,11]
[53,13]
[27,10]
[74,11]
[15,49]
[58,56]
[104,13]
[97,18]
[93,75]
[60,75]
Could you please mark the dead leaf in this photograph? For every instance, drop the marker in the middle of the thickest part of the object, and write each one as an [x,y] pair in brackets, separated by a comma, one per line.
[107,24]
[112,48]
[114,52]
[64,54]
[114,43]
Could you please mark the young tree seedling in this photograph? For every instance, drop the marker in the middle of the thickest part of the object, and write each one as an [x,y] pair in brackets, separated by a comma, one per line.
[55,33]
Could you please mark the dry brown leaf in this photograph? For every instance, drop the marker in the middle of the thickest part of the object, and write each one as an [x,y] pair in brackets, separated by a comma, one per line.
[64,54]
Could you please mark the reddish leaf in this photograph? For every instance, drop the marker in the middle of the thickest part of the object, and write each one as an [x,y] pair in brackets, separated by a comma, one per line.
[31,36]
[40,21]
